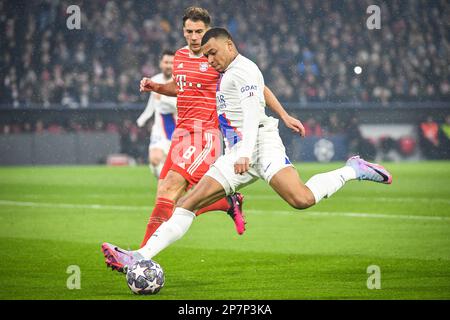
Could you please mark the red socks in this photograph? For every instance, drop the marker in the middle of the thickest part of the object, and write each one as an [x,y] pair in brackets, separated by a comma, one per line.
[161,213]
[219,205]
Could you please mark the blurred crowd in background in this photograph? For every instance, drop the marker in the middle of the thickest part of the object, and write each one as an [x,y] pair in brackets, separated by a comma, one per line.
[307,50]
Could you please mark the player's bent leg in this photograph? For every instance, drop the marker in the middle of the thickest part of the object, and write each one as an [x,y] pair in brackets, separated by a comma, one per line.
[169,190]
[169,232]
[289,186]
[149,155]
[206,192]
[232,205]
[325,184]
[220,205]
[156,158]
[222,171]
[172,186]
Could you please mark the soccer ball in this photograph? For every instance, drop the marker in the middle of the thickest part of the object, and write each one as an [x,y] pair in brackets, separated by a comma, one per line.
[324,150]
[145,277]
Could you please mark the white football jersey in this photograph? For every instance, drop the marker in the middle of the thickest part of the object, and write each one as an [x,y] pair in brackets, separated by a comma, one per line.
[242,79]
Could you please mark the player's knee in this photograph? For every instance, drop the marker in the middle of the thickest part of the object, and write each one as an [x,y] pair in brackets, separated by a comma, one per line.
[166,188]
[189,202]
[154,161]
[156,156]
[302,201]
[181,202]
[170,187]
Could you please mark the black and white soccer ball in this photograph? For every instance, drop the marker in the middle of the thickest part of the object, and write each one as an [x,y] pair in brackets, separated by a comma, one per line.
[145,277]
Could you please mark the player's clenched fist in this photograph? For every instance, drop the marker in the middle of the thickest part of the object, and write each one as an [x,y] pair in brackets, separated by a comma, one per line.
[147,85]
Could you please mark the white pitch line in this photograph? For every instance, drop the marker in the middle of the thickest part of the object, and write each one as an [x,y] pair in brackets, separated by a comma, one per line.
[283,212]
[70,205]
[355,215]
[377,199]
[264,197]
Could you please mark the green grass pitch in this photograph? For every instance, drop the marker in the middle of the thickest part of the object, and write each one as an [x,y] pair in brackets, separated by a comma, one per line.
[55,217]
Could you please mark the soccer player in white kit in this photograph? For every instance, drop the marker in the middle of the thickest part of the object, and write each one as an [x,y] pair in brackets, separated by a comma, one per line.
[254,148]
[165,109]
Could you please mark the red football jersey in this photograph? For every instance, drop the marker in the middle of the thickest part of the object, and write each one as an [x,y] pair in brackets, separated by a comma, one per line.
[196,100]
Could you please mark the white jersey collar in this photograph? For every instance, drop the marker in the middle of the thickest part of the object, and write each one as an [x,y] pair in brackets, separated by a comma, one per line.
[191,55]
[234,62]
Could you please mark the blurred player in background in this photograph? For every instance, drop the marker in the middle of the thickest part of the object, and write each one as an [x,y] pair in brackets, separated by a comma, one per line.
[164,108]
[197,141]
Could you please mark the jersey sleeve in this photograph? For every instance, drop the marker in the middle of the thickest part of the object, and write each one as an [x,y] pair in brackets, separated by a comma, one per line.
[148,112]
[246,82]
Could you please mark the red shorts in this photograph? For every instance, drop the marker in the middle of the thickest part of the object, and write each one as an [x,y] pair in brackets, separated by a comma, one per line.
[191,154]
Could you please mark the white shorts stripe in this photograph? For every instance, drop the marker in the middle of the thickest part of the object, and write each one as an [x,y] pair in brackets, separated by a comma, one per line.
[202,155]
[199,158]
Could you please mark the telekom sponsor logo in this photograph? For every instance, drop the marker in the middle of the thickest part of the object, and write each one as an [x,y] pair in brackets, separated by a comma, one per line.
[182,82]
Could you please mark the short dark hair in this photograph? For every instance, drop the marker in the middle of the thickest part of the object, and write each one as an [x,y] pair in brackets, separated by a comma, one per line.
[216,33]
[167,52]
[197,14]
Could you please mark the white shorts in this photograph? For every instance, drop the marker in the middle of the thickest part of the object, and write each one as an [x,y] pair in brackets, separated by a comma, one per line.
[268,158]
[162,131]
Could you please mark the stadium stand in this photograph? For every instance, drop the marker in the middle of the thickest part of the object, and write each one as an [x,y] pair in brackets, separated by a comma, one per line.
[306,50]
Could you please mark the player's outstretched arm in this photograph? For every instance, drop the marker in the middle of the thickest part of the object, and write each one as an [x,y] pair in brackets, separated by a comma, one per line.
[250,123]
[168,89]
[292,123]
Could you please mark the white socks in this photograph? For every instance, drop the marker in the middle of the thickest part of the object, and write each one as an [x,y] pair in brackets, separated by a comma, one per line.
[323,185]
[168,232]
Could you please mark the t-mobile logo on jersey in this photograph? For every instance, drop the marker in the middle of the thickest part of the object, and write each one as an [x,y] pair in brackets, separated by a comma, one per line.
[182,83]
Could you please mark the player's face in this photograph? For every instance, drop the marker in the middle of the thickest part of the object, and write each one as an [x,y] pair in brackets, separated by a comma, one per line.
[193,33]
[219,53]
[166,65]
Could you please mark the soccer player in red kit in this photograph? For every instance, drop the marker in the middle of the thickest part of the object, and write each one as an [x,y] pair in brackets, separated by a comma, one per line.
[196,141]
